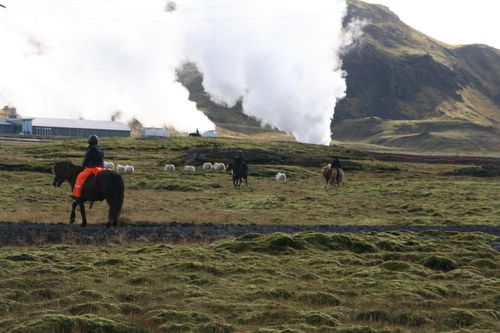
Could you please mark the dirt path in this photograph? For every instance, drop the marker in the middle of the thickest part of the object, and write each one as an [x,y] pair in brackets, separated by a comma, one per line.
[393,157]
[40,233]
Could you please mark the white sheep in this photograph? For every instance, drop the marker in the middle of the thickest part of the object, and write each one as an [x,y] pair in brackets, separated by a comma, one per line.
[109,165]
[129,169]
[281,177]
[219,167]
[120,168]
[169,167]
[207,166]
[189,168]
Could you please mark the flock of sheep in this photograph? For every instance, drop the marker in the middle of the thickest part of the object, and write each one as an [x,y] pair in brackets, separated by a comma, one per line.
[206,166]
[220,167]
[119,168]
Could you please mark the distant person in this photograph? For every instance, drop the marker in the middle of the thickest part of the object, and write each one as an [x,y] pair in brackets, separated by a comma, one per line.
[239,159]
[93,163]
[336,165]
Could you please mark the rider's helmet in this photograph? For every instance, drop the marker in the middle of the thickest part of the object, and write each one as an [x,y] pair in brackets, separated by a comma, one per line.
[239,153]
[93,139]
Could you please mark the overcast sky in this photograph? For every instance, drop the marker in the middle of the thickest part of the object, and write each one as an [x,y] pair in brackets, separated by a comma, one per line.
[451,21]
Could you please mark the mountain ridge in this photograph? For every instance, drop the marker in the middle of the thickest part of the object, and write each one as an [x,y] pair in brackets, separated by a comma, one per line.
[404,89]
[411,84]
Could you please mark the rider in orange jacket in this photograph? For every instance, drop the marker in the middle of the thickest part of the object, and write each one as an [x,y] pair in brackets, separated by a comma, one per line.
[93,163]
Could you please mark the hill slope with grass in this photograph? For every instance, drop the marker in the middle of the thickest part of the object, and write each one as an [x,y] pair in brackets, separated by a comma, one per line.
[404,89]
[408,90]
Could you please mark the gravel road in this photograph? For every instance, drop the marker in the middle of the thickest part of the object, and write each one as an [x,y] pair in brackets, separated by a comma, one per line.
[45,233]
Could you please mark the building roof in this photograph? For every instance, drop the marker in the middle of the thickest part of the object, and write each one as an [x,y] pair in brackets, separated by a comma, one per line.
[80,123]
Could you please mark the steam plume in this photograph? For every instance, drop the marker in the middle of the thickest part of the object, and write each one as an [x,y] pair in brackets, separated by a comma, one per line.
[280,57]
[90,59]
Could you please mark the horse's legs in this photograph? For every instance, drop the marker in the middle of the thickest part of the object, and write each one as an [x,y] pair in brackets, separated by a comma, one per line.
[112,220]
[333,177]
[84,215]
[73,214]
[113,212]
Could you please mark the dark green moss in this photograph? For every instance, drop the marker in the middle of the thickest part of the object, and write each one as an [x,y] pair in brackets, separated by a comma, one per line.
[458,318]
[320,319]
[373,315]
[396,265]
[440,263]
[320,298]
[81,324]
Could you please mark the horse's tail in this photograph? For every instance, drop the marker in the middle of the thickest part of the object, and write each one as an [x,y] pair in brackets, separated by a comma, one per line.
[116,201]
[340,176]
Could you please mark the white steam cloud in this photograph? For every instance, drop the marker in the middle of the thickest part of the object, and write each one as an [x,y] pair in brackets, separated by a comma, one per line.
[90,59]
[280,57]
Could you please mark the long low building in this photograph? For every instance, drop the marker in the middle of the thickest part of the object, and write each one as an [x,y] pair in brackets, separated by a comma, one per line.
[73,127]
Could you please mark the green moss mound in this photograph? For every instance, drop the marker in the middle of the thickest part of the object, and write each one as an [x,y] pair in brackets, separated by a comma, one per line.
[172,316]
[87,308]
[412,319]
[373,315]
[320,298]
[279,243]
[485,263]
[396,265]
[439,263]
[458,318]
[320,319]
[357,330]
[216,328]
[81,324]
[177,328]
[22,257]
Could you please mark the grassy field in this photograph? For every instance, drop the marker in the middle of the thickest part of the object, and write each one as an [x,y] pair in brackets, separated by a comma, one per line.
[364,283]
[373,192]
[308,282]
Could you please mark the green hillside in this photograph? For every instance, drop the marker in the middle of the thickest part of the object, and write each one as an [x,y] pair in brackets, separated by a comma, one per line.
[408,90]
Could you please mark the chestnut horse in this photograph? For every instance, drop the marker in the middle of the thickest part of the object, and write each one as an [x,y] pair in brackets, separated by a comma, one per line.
[332,176]
[107,185]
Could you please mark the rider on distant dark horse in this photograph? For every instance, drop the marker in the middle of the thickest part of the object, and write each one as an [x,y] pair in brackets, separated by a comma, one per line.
[93,163]
[337,166]
[239,169]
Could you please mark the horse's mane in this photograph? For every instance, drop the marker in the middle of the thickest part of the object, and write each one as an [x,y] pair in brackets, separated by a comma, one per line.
[69,166]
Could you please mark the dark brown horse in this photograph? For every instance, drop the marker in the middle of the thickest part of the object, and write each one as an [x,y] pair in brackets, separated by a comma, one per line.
[239,172]
[107,185]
